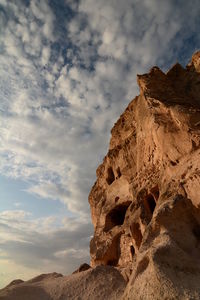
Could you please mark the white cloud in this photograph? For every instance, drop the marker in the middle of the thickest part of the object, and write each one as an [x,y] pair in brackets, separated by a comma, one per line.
[46,52]
[41,245]
[14,215]
[3,2]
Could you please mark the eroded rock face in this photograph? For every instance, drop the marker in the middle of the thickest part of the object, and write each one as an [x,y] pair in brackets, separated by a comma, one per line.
[145,202]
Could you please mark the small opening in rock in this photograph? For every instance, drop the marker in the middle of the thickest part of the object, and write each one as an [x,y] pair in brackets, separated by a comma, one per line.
[119,172]
[136,234]
[173,163]
[116,216]
[110,177]
[132,250]
[152,203]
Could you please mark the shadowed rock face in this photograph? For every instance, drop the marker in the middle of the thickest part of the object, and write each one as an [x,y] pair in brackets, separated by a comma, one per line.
[145,202]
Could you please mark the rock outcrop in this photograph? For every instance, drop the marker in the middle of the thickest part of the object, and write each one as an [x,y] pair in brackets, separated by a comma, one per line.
[145,204]
[102,282]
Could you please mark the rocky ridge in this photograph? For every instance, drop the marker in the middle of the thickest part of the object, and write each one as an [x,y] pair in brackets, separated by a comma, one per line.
[145,204]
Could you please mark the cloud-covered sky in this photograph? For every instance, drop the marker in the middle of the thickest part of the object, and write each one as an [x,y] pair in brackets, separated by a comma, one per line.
[67,71]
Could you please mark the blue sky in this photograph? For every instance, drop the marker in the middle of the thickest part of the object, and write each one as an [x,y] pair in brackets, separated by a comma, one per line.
[67,71]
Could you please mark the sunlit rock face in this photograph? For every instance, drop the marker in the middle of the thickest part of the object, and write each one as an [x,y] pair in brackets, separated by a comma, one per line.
[145,202]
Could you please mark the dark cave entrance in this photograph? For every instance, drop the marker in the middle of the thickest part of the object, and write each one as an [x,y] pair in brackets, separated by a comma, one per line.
[110,176]
[150,203]
[116,216]
[132,251]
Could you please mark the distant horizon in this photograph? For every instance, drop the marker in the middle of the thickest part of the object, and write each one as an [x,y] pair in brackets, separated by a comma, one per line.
[68,70]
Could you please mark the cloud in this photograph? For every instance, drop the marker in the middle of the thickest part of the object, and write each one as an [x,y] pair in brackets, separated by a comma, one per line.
[44,244]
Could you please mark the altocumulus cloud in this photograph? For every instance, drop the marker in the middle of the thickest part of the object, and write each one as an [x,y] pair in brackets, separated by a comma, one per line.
[68,69]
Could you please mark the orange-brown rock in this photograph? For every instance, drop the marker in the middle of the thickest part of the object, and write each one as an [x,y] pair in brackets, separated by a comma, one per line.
[145,204]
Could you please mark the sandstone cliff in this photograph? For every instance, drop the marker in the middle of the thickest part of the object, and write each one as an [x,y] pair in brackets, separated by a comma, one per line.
[145,204]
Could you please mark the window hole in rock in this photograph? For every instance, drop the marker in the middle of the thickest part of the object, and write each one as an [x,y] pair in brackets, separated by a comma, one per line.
[173,163]
[116,216]
[136,234]
[150,203]
[132,250]
[110,176]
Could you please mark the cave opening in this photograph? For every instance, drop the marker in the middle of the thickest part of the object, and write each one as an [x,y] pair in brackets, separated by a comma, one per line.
[150,203]
[116,216]
[110,176]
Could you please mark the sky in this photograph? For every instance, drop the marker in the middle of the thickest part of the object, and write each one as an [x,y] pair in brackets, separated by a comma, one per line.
[67,71]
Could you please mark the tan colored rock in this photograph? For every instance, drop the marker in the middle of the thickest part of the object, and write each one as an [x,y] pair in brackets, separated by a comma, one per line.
[83,267]
[145,202]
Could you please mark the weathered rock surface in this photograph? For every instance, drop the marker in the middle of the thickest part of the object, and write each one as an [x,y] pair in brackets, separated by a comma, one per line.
[102,282]
[145,204]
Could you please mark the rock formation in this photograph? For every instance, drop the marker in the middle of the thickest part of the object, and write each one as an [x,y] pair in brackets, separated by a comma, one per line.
[145,204]
[102,282]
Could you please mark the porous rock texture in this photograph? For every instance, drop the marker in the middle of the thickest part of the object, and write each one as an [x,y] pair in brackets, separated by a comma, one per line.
[145,204]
